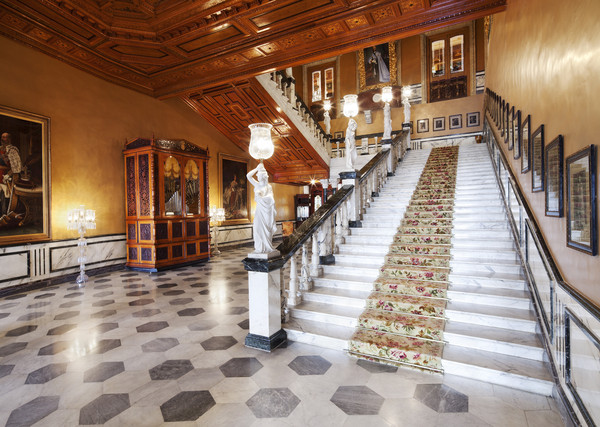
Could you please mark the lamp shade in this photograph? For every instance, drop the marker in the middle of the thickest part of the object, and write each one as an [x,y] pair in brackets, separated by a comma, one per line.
[327,105]
[261,144]
[386,94]
[406,92]
[350,105]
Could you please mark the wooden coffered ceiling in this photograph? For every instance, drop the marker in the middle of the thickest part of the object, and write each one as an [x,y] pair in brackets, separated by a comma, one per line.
[206,51]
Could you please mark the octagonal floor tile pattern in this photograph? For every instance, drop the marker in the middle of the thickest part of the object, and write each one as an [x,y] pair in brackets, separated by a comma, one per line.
[137,349]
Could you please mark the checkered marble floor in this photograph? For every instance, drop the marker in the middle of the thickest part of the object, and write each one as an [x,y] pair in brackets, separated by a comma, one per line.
[139,349]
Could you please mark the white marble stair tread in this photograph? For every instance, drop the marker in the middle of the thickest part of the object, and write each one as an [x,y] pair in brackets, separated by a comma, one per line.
[368,260]
[351,270]
[500,317]
[390,225]
[330,313]
[506,341]
[342,281]
[486,268]
[514,372]
[347,297]
[487,282]
[486,222]
[370,240]
[484,254]
[321,334]
[489,299]
[489,291]
[372,231]
[474,259]
[486,274]
[348,249]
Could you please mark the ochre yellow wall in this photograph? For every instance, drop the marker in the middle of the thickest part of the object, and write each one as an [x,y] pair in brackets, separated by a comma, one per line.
[544,57]
[90,120]
[410,60]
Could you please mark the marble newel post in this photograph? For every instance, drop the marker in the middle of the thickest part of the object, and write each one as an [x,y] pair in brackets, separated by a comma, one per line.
[265,263]
[387,96]
[350,175]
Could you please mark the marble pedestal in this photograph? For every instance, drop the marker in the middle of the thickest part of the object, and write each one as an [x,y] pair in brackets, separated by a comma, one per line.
[264,292]
[354,214]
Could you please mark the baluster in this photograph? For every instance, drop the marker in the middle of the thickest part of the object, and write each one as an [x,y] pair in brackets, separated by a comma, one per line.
[285,311]
[339,231]
[294,296]
[315,268]
[305,280]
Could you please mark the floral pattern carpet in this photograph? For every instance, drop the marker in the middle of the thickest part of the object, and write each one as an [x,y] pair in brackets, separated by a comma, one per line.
[403,323]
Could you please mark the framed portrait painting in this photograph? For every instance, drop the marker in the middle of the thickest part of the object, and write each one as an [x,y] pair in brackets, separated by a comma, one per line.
[537,159]
[553,161]
[24,177]
[525,145]
[377,66]
[234,189]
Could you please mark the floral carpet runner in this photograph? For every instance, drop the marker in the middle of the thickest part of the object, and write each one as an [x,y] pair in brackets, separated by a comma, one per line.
[403,322]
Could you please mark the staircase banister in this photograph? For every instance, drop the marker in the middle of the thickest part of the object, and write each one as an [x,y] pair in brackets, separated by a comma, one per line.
[378,158]
[317,124]
[537,234]
[310,226]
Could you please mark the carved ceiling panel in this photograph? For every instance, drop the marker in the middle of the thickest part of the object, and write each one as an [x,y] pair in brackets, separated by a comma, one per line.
[171,47]
[231,108]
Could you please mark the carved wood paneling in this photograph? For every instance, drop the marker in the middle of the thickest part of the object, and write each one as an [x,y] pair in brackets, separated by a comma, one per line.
[169,47]
[231,108]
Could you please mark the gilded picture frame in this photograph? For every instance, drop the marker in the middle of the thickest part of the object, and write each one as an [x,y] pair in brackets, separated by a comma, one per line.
[234,196]
[372,64]
[24,177]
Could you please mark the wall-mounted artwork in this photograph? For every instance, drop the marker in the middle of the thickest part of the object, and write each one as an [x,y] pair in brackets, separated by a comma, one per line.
[553,161]
[422,125]
[510,128]
[537,159]
[24,177]
[473,119]
[439,123]
[377,66]
[582,233]
[455,121]
[525,145]
[234,189]
[316,86]
[516,134]
[329,83]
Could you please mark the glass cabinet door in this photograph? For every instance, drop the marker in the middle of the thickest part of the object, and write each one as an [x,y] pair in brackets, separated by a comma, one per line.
[191,173]
[172,186]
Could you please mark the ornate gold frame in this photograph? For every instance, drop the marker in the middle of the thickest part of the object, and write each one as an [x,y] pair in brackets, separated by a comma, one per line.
[222,157]
[393,69]
[12,121]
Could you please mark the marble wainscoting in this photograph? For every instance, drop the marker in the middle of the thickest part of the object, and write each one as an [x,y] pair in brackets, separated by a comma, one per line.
[240,235]
[29,263]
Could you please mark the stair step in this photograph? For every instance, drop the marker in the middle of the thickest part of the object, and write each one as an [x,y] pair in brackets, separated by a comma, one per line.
[351,270]
[487,282]
[348,249]
[510,371]
[337,296]
[363,260]
[340,281]
[327,313]
[487,269]
[321,334]
[372,240]
[504,341]
[498,317]
[372,231]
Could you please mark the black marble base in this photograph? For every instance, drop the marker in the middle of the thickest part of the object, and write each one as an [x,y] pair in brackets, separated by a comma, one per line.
[355,224]
[266,343]
[348,175]
[263,265]
[386,141]
[375,194]
[391,174]
[327,259]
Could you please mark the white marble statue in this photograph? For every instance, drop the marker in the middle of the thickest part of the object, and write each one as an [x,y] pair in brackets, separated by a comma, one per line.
[387,122]
[327,121]
[351,144]
[406,110]
[264,226]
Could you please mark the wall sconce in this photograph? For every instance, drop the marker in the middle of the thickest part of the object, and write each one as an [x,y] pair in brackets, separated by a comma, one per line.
[406,92]
[217,215]
[350,105]
[261,144]
[81,220]
[386,94]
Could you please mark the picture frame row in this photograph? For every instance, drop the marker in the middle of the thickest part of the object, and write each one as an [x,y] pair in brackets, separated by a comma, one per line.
[551,173]
[455,121]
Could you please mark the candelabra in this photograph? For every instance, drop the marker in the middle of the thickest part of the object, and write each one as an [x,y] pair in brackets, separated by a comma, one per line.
[81,220]
[217,215]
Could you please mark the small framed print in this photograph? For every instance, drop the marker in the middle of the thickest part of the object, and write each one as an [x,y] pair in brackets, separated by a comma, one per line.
[511,128]
[582,233]
[525,145]
[516,134]
[502,117]
[422,125]
[473,119]
[439,123]
[537,159]
[338,135]
[553,161]
[455,121]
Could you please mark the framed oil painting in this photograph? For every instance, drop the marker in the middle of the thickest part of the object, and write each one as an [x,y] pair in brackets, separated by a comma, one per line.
[234,189]
[439,123]
[553,161]
[473,119]
[455,121]
[582,233]
[377,66]
[24,177]
[316,86]
[507,124]
[537,159]
[525,145]
[516,134]
[510,126]
[422,125]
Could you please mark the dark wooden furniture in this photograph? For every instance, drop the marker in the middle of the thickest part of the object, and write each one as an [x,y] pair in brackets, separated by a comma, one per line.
[166,187]
[302,208]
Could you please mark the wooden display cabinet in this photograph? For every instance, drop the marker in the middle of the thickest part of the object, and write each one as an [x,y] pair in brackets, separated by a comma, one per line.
[166,206]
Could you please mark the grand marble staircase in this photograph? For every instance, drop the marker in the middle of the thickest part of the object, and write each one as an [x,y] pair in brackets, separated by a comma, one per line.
[491,327]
